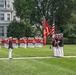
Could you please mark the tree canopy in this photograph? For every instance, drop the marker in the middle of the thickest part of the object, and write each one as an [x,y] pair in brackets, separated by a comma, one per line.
[19,29]
[34,10]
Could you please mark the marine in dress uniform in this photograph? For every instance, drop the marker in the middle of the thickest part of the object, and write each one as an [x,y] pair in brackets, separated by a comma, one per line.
[61,53]
[31,42]
[10,47]
[25,42]
[40,42]
[56,50]
[53,42]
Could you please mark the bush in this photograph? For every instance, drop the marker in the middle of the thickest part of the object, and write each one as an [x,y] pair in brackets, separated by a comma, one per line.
[66,40]
[19,29]
[48,41]
[16,29]
[69,40]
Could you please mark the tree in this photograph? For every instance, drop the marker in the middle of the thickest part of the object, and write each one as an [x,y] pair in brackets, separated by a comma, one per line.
[19,29]
[70,31]
[70,27]
[34,10]
[16,29]
[28,29]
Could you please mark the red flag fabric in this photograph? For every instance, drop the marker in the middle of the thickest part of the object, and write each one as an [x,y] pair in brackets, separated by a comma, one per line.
[46,31]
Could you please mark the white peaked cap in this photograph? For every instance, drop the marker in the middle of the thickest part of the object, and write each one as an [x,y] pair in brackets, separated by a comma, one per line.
[53,35]
[10,37]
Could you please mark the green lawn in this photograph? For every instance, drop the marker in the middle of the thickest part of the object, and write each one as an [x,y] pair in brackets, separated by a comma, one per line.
[69,50]
[54,66]
[51,66]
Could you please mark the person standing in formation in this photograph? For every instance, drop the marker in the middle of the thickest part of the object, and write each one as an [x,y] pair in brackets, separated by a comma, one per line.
[61,44]
[10,47]
[52,43]
[57,43]
[56,51]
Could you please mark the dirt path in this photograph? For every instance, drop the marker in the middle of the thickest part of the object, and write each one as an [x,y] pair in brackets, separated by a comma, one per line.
[36,57]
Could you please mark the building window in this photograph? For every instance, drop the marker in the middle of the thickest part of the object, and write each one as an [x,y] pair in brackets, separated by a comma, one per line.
[8,17]
[1,30]
[1,16]
[5,3]
[8,4]
[1,3]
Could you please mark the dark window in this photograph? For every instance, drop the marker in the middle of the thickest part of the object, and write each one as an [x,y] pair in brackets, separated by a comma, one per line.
[1,3]
[1,30]
[8,17]
[1,16]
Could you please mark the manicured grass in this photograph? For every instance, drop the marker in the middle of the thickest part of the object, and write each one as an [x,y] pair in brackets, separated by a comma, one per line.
[69,50]
[21,52]
[54,66]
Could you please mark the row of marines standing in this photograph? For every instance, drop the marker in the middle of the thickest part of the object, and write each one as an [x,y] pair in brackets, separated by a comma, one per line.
[57,44]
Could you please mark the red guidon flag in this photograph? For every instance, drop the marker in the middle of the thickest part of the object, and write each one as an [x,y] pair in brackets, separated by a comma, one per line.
[46,32]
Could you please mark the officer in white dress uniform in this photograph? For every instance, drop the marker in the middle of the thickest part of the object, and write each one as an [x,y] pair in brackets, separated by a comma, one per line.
[10,47]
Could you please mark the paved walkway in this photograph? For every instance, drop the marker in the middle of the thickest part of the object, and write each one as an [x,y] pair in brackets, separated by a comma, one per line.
[36,57]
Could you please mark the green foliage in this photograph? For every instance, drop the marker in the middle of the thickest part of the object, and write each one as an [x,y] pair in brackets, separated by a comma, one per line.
[16,29]
[73,19]
[34,10]
[70,31]
[64,12]
[19,29]
[23,8]
[48,40]
[69,40]
[28,29]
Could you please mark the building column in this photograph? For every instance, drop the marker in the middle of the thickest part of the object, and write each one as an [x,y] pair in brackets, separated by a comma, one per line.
[5,31]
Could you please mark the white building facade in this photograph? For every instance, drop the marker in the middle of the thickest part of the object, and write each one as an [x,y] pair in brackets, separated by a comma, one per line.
[7,15]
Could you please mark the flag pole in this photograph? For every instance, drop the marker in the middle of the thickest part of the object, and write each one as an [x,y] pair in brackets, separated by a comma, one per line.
[44,37]
[53,32]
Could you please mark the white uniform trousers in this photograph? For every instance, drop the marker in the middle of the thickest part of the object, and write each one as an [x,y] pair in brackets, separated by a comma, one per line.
[61,53]
[31,45]
[56,51]
[25,45]
[10,53]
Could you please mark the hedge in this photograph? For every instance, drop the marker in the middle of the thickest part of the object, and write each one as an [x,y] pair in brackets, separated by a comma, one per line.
[66,40]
